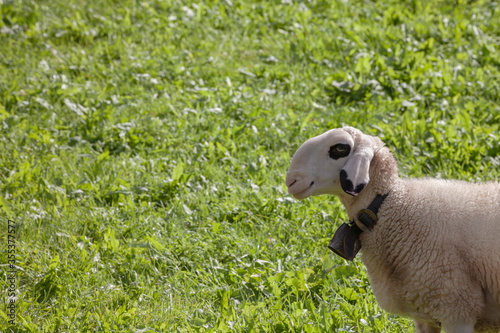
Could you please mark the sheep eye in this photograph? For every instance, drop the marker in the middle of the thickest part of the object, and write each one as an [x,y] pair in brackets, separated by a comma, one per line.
[339,150]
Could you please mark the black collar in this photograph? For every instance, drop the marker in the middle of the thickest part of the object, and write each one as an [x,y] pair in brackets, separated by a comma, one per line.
[346,242]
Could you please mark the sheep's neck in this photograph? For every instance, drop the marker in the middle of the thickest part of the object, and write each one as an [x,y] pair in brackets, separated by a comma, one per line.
[354,204]
[345,242]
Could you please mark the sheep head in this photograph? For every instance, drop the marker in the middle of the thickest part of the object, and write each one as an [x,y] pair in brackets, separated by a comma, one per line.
[335,162]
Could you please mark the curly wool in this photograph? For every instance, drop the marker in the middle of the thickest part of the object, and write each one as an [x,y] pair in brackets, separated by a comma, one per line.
[435,252]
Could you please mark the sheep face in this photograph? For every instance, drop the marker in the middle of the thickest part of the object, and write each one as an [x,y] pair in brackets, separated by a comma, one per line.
[335,162]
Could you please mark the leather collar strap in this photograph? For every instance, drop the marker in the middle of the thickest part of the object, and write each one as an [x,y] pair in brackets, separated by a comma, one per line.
[345,242]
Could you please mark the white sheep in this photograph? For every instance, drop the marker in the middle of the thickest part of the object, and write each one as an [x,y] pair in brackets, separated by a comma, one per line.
[431,247]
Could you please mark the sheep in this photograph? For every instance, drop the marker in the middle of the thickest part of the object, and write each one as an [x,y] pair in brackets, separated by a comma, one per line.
[432,250]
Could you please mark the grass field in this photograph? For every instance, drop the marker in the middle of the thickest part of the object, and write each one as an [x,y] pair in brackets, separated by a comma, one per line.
[144,145]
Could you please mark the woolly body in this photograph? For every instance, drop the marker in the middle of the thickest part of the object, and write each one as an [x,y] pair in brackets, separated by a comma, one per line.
[434,254]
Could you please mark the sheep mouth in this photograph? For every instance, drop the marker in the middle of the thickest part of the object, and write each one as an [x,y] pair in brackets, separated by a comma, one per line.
[303,193]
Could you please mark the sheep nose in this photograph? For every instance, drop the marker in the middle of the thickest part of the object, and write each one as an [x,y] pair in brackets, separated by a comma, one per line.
[290,182]
[291,178]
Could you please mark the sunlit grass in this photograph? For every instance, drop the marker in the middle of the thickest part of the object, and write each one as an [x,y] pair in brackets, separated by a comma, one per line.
[144,145]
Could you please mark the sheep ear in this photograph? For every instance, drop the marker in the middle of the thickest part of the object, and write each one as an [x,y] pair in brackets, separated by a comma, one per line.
[356,173]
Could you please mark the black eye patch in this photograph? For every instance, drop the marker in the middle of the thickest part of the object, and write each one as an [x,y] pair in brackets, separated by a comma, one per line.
[339,150]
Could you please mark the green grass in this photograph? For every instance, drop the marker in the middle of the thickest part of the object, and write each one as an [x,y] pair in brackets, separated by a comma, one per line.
[144,144]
